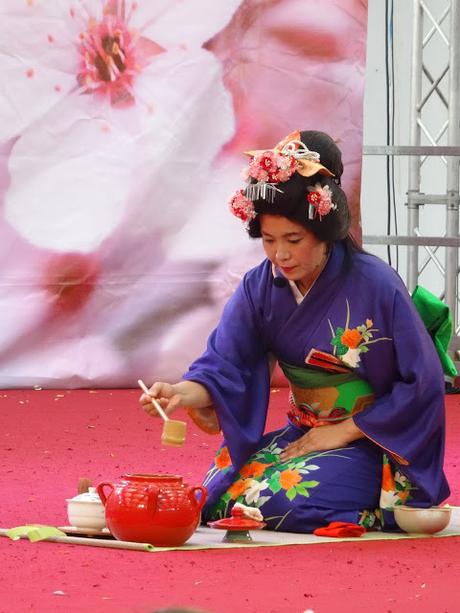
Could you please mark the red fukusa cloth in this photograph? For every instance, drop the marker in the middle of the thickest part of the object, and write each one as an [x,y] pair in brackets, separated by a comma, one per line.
[340,529]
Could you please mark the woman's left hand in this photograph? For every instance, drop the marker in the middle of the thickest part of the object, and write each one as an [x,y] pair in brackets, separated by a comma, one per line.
[323,438]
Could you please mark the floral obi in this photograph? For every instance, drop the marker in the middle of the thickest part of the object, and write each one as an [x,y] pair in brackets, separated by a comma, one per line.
[320,398]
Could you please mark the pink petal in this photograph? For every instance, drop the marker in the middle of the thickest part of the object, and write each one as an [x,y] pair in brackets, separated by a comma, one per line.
[43,85]
[183,23]
[69,179]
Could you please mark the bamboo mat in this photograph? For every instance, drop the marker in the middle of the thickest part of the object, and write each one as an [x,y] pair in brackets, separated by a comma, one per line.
[209,538]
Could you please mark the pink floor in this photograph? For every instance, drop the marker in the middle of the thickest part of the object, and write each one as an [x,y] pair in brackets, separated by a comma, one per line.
[48,439]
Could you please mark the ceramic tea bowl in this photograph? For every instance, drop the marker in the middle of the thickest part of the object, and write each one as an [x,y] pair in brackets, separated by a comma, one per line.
[86,510]
[422,521]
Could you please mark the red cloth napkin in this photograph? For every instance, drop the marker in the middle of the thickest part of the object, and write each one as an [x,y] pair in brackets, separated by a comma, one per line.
[340,529]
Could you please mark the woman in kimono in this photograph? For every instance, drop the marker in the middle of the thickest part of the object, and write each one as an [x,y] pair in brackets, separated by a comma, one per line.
[365,421]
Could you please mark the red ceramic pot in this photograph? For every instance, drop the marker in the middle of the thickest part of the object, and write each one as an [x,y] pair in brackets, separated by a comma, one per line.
[156,509]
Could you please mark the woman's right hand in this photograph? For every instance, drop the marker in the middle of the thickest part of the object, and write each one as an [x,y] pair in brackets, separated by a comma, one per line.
[176,396]
[165,395]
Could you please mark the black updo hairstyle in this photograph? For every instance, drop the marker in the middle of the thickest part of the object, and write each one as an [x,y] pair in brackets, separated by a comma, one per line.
[292,201]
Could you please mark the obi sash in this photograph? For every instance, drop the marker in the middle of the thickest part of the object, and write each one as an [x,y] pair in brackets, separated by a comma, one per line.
[321,398]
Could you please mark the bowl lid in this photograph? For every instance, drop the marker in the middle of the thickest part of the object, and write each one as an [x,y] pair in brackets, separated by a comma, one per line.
[90,496]
[236,523]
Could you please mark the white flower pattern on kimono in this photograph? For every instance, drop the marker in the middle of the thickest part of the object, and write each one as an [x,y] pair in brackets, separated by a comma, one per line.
[351,357]
[401,479]
[388,499]
[252,492]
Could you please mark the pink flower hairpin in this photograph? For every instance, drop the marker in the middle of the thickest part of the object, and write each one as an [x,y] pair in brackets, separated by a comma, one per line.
[242,207]
[271,167]
[320,201]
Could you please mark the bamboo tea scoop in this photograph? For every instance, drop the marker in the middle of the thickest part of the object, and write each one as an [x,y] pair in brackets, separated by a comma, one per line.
[173,429]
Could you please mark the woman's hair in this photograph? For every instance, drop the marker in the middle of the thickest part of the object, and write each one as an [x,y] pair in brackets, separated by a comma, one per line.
[330,155]
[291,201]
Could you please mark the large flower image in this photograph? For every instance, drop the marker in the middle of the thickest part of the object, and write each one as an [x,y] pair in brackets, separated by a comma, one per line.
[112,115]
[106,98]
[122,132]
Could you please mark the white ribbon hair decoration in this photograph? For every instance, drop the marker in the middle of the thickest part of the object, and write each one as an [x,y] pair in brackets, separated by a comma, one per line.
[299,150]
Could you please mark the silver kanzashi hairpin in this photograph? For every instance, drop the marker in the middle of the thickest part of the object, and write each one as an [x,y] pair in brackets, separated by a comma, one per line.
[261,189]
[299,150]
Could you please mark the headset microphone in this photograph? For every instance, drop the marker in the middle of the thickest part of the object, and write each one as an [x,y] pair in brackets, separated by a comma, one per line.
[279,282]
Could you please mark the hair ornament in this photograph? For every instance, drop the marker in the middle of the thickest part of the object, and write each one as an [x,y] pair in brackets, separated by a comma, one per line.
[320,201]
[299,150]
[242,207]
[305,162]
[267,191]
[269,167]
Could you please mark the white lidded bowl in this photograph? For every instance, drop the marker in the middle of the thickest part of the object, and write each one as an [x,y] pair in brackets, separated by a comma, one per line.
[422,521]
[86,510]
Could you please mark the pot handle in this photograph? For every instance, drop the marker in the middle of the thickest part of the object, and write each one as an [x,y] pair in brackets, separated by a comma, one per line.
[198,502]
[152,498]
[100,490]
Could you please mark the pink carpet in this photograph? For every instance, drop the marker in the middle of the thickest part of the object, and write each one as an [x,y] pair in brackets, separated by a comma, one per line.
[48,439]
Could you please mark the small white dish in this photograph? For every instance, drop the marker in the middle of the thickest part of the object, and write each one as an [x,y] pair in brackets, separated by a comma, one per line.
[422,521]
[86,510]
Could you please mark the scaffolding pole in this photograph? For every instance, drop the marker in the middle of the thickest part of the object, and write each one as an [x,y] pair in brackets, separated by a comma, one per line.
[452,180]
[424,86]
[413,212]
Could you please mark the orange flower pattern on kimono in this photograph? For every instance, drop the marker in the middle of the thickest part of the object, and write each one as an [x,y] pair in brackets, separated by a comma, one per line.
[289,479]
[253,469]
[264,476]
[223,459]
[238,488]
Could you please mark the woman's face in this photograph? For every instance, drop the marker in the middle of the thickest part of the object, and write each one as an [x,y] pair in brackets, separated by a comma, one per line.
[293,249]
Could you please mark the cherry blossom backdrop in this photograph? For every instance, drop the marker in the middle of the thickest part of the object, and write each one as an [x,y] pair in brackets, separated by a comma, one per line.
[122,126]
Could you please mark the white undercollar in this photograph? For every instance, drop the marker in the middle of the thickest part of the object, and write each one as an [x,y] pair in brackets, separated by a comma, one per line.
[295,290]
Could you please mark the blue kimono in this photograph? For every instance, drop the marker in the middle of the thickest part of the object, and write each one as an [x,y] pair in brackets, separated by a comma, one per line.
[354,347]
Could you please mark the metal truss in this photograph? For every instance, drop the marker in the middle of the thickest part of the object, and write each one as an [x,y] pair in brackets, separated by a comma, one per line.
[435,24]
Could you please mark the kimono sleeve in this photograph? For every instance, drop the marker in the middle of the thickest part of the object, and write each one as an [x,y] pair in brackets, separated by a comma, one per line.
[409,420]
[234,369]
